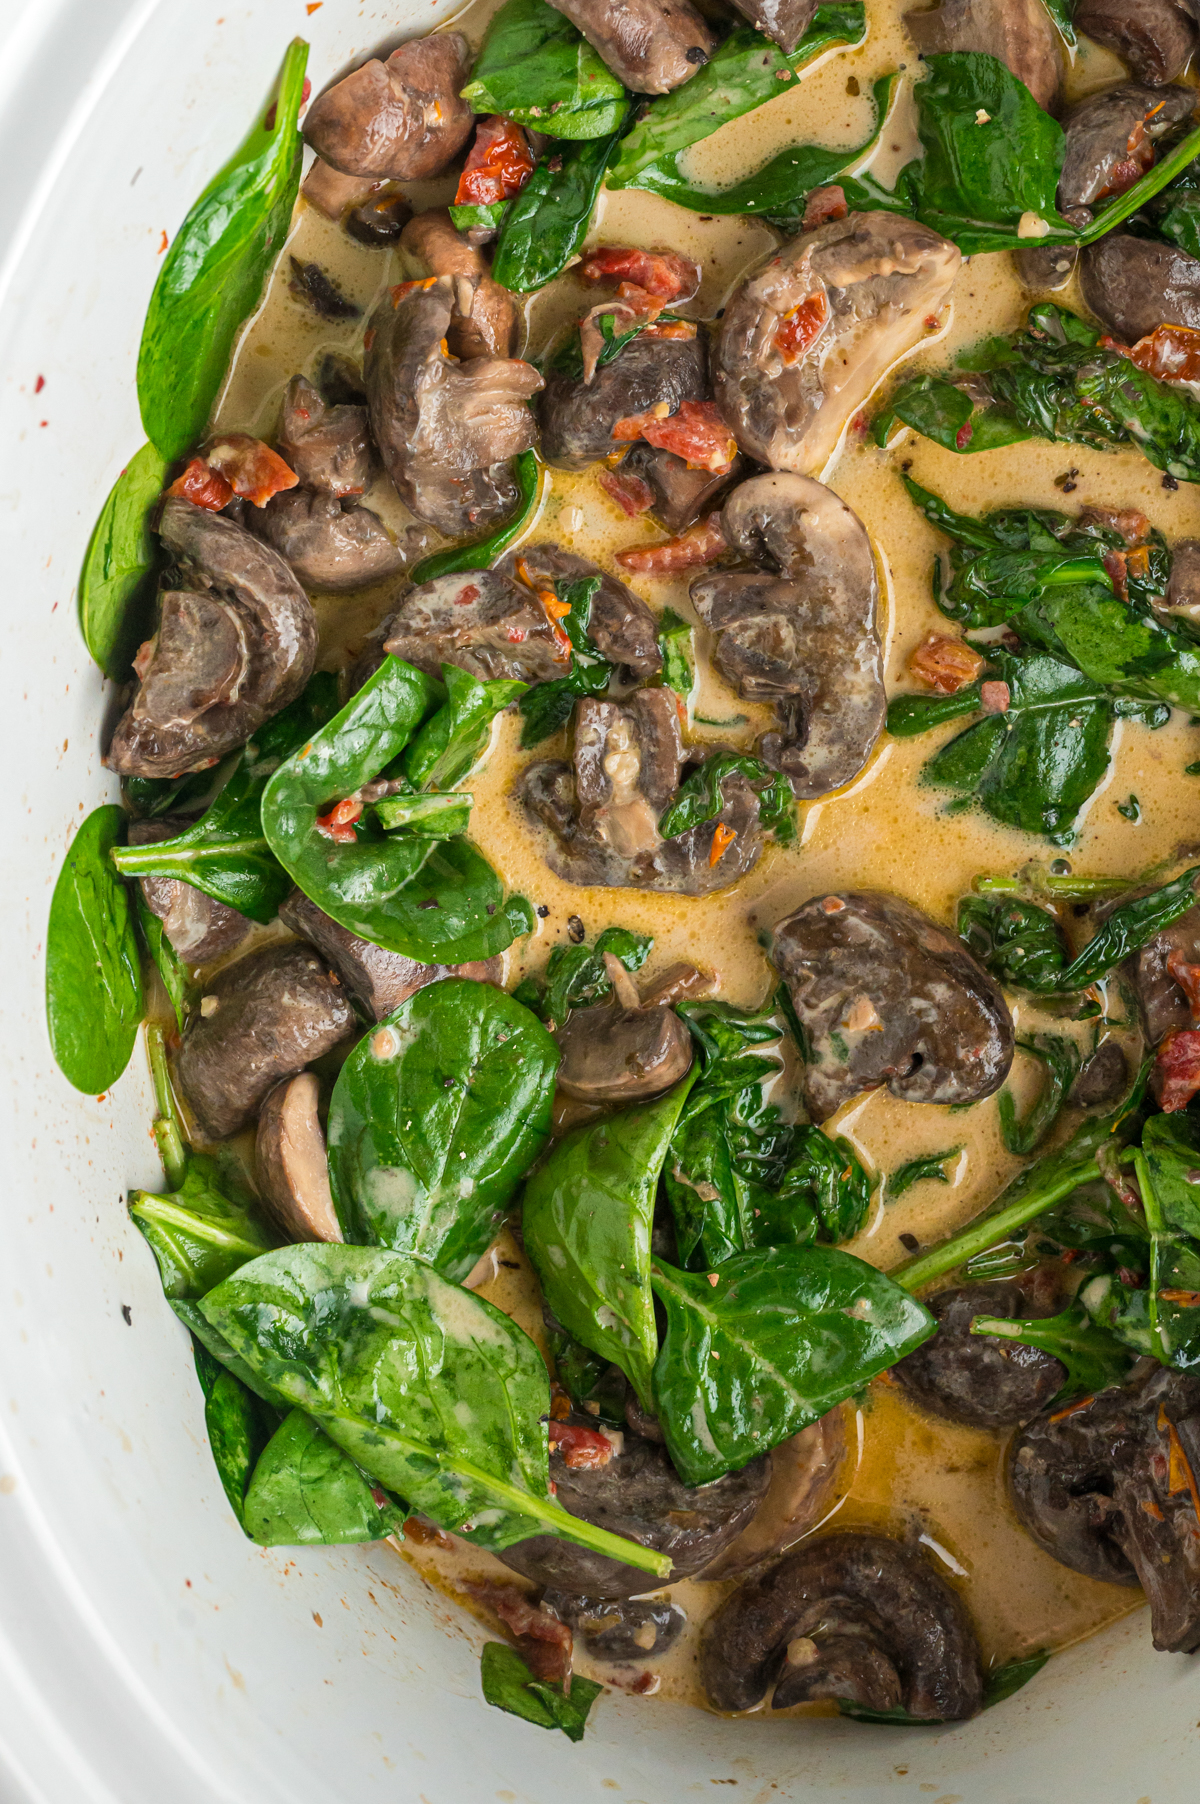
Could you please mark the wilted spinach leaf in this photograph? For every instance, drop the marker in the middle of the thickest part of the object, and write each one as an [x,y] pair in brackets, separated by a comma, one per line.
[677,646]
[918,1171]
[239,1425]
[167,962]
[1060,1058]
[436,1394]
[448,747]
[436,1116]
[1020,943]
[119,558]
[576,976]
[548,706]
[548,221]
[508,1683]
[1093,1356]
[305,1492]
[783,1335]
[536,68]
[700,796]
[94,1001]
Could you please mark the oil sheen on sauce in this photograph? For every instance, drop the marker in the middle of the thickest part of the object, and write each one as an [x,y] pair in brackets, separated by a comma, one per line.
[906,1473]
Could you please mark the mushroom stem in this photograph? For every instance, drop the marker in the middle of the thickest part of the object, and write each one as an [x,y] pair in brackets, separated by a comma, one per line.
[622,982]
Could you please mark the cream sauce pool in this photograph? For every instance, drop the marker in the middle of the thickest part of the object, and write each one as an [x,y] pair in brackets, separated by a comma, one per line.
[905,1473]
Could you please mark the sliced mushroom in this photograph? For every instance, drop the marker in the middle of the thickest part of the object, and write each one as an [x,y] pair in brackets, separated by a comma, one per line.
[490,329]
[577,417]
[858,1617]
[620,1631]
[620,1051]
[620,625]
[446,431]
[291,1162]
[651,46]
[886,996]
[1133,285]
[786,21]
[229,652]
[1165,1006]
[1018,33]
[333,193]
[1047,267]
[977,1378]
[328,447]
[1103,1080]
[261,1020]
[401,119]
[375,980]
[804,1481]
[638,1494]
[1106,1487]
[806,639]
[329,545]
[1155,37]
[680,493]
[198,927]
[483,622]
[869,283]
[1111,138]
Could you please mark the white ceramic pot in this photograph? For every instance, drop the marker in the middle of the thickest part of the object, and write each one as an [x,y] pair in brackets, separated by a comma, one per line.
[148,1653]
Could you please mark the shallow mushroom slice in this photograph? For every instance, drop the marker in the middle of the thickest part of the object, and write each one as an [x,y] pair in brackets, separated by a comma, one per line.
[330,546]
[650,45]
[1154,37]
[1095,1487]
[329,448]
[620,625]
[482,621]
[868,284]
[805,1471]
[976,1378]
[679,494]
[1134,285]
[401,119]
[490,329]
[291,1162]
[620,1051]
[1018,33]
[886,996]
[806,639]
[857,1617]
[376,980]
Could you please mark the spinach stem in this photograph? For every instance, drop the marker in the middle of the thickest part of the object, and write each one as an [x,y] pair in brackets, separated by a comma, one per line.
[993,1228]
[168,1129]
[1065,889]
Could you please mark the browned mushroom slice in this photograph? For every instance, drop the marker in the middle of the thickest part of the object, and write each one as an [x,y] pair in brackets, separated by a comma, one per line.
[447,431]
[975,1378]
[650,45]
[328,545]
[786,21]
[1155,37]
[1111,138]
[376,980]
[480,620]
[198,927]
[229,653]
[804,1482]
[886,996]
[680,493]
[1106,1488]
[1017,33]
[329,448]
[401,118]
[577,417]
[804,341]
[636,1493]
[292,1167]
[620,625]
[262,1019]
[857,1617]
[621,1050]
[490,329]
[1047,267]
[806,639]
[1134,285]
[1181,604]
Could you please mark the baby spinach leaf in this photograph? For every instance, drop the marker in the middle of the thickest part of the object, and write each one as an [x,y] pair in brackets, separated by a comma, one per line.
[94,1001]
[827,1171]
[780,1337]
[1171,1145]
[1019,942]
[909,715]
[213,273]
[1094,1357]
[576,976]
[1129,927]
[199,1234]
[1061,1060]
[435,1393]
[170,967]
[449,746]
[587,1216]
[1034,766]
[548,221]
[239,1426]
[931,1166]
[548,706]
[436,901]
[536,68]
[119,558]
[700,798]
[508,1683]
[435,1118]
[225,853]
[745,70]
[677,646]
[1130,652]
[483,553]
[305,1492]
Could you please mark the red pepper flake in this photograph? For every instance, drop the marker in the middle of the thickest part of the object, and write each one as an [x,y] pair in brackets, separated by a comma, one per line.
[632,494]
[202,486]
[402,289]
[723,837]
[664,274]
[801,328]
[314,6]
[466,595]
[163,243]
[1183,1299]
[700,544]
[669,328]
[338,823]
[1181,1478]
[498,165]
[1060,1415]
[1177,1070]
[1115,569]
[423,1534]
[945,663]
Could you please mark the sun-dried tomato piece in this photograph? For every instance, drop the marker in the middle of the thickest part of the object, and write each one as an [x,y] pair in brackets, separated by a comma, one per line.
[1172,353]
[1177,1070]
[1130,522]
[945,663]
[401,289]
[670,328]
[202,486]
[582,1449]
[338,823]
[801,327]
[662,273]
[700,544]
[544,1640]
[696,432]
[822,205]
[632,494]
[251,468]
[498,164]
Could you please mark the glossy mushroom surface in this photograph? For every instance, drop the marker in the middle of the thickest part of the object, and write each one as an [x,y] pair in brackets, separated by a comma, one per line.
[291,1162]
[886,996]
[980,1379]
[651,46]
[805,1470]
[377,981]
[577,417]
[1111,138]
[620,625]
[480,620]
[1018,33]
[621,1050]
[1154,37]
[198,926]
[1134,285]
[401,119]
[785,21]
[434,243]
[620,1631]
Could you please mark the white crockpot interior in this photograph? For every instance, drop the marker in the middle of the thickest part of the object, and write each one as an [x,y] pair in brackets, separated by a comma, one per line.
[148,1653]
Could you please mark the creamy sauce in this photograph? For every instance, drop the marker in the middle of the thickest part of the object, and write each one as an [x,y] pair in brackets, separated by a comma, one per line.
[906,1473]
